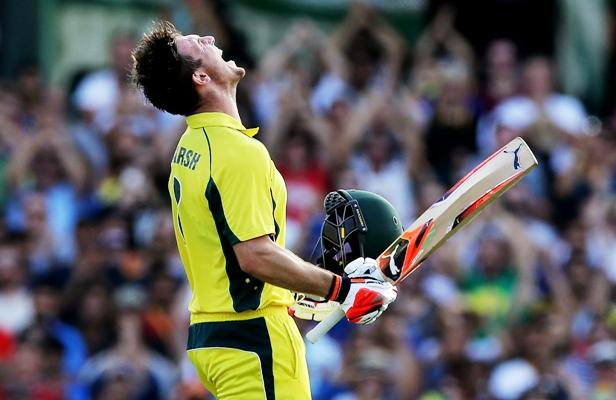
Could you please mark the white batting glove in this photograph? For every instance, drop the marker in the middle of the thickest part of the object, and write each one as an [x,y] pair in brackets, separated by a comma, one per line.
[363,294]
[311,308]
[364,268]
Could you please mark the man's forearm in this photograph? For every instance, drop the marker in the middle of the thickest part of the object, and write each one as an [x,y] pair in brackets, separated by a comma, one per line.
[267,261]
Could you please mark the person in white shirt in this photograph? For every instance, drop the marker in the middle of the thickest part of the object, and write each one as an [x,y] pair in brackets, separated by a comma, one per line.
[16,305]
[540,113]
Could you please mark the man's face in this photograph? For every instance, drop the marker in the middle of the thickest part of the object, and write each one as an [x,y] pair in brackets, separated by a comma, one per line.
[202,48]
[121,49]
[10,273]
[538,78]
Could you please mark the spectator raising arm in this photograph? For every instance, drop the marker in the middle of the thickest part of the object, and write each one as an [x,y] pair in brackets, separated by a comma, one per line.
[295,115]
[362,19]
[51,146]
[441,34]
[303,36]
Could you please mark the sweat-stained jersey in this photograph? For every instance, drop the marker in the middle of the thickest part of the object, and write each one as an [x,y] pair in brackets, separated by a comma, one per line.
[224,189]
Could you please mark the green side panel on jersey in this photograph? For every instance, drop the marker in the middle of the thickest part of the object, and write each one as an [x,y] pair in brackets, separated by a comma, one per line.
[276,227]
[177,193]
[245,290]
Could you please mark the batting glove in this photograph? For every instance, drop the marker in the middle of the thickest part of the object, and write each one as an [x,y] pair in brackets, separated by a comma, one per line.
[363,294]
[312,308]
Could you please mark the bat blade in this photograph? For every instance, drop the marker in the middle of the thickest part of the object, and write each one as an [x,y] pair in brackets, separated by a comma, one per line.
[455,209]
[458,206]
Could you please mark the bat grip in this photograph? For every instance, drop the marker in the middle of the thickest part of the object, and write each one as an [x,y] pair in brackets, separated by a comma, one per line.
[324,326]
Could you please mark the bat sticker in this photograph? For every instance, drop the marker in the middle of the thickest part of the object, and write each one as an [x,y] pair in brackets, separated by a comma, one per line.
[393,269]
[516,157]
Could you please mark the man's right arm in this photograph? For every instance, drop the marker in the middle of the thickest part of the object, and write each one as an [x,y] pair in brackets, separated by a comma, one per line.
[363,295]
[271,263]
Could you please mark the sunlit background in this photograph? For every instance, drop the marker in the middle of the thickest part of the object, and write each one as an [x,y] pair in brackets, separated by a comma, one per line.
[399,97]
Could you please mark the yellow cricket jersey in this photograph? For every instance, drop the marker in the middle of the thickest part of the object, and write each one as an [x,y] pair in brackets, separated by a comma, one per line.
[224,189]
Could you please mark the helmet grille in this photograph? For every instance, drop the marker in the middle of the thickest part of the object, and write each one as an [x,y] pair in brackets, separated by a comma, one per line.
[333,200]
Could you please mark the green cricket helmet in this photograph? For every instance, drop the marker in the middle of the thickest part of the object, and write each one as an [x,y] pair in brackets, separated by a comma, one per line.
[357,224]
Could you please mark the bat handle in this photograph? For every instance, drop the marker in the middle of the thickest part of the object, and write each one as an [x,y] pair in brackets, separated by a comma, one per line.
[324,326]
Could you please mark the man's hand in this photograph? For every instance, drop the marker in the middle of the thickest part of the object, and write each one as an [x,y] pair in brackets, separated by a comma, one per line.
[364,268]
[311,308]
[363,294]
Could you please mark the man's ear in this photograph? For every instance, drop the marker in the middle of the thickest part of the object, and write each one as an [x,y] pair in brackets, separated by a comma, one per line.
[199,77]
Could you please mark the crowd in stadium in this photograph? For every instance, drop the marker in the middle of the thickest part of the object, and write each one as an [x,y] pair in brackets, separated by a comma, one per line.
[520,304]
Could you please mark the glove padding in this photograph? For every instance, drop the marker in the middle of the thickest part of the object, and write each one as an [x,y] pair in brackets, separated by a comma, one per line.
[312,308]
[364,268]
[368,293]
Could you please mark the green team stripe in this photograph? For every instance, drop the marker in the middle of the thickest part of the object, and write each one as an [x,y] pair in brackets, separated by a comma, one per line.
[245,290]
[209,148]
[249,335]
[276,227]
[177,192]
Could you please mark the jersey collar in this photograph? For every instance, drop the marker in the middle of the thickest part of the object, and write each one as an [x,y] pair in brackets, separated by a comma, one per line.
[218,119]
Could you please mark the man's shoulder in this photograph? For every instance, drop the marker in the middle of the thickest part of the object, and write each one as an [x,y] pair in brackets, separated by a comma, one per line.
[235,144]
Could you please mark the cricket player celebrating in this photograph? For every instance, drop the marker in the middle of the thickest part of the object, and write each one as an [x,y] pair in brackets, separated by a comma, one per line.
[228,202]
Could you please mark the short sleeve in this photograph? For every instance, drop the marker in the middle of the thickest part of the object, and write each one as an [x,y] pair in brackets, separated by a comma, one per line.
[245,191]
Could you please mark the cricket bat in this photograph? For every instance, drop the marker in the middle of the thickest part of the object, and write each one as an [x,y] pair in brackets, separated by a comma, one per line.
[456,208]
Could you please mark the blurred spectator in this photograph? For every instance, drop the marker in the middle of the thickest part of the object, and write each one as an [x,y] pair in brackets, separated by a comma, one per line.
[373,52]
[498,276]
[441,43]
[603,356]
[450,137]
[441,76]
[324,360]
[125,185]
[513,379]
[402,366]
[161,243]
[366,371]
[292,68]
[540,113]
[490,285]
[16,304]
[537,341]
[70,346]
[96,316]
[98,94]
[35,372]
[500,74]
[601,243]
[158,324]
[47,175]
[383,158]
[298,145]
[129,370]
[30,99]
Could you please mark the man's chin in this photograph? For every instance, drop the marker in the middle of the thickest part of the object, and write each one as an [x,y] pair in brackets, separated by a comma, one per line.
[238,72]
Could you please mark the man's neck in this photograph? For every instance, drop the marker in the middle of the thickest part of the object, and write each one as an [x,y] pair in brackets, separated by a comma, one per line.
[221,102]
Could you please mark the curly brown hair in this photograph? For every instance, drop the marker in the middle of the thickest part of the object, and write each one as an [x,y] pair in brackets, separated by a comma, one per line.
[162,73]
